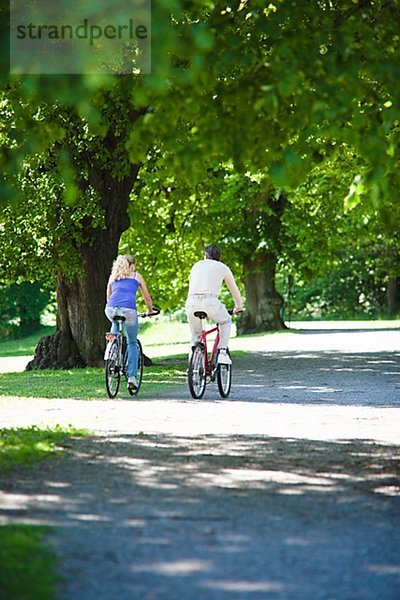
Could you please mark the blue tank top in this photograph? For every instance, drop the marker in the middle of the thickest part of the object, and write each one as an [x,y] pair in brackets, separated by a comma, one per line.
[123,293]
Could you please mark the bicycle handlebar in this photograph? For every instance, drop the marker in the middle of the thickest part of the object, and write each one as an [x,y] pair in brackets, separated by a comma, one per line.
[231,311]
[156,311]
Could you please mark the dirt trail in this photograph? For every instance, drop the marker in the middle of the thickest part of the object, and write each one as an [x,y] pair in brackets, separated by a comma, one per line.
[290,489]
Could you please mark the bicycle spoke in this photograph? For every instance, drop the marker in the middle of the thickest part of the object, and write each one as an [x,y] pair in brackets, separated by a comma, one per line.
[113,371]
[196,373]
[224,379]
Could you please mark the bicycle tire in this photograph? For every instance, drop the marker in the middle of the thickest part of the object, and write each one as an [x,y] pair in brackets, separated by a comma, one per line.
[196,372]
[139,374]
[224,379]
[113,371]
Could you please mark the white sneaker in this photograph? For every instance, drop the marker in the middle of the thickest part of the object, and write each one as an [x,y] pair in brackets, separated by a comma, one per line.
[223,357]
[132,383]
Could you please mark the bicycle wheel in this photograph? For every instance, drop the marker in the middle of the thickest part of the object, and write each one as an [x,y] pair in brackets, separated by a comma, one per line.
[113,371]
[139,374]
[224,379]
[196,372]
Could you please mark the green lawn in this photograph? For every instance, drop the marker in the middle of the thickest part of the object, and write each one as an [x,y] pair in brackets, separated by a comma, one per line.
[163,331]
[28,564]
[156,332]
[87,384]
[28,568]
[24,346]
[27,445]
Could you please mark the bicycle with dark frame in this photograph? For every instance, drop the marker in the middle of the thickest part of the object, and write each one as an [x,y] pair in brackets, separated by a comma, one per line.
[116,358]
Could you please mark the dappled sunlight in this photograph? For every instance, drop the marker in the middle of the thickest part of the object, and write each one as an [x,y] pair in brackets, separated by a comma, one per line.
[91,517]
[246,497]
[57,484]
[388,490]
[183,567]
[384,569]
[139,523]
[232,543]
[252,478]
[299,541]
[221,511]
[255,462]
[224,462]
[323,378]
[310,388]
[249,385]
[11,501]
[246,586]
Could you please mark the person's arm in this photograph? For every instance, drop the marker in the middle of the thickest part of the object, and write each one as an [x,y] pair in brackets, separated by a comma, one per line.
[234,290]
[145,293]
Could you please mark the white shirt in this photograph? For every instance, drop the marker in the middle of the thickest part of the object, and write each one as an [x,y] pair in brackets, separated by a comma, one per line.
[207,276]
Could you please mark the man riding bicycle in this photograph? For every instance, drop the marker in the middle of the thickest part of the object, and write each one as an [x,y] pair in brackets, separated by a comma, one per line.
[205,282]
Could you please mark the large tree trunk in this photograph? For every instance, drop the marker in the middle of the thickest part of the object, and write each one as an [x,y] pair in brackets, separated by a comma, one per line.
[81,323]
[263,302]
[393,296]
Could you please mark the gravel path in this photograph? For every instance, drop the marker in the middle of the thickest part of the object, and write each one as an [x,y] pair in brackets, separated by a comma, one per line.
[290,489]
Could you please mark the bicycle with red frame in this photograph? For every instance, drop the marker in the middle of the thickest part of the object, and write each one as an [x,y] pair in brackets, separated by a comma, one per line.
[203,365]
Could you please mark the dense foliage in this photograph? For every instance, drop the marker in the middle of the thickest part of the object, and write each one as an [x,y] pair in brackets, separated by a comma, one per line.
[21,306]
[252,128]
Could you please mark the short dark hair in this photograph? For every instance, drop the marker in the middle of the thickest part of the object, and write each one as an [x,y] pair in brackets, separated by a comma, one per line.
[213,252]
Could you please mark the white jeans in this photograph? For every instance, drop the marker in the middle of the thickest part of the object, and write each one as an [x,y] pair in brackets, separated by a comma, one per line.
[215,310]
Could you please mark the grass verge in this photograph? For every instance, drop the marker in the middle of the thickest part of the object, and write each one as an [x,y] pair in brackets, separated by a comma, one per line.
[88,384]
[28,564]
[24,346]
[160,332]
[27,445]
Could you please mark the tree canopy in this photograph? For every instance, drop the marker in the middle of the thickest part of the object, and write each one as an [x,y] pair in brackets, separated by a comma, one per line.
[239,127]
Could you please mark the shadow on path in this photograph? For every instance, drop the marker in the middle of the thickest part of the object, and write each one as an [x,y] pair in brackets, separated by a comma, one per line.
[233,516]
[325,378]
[218,517]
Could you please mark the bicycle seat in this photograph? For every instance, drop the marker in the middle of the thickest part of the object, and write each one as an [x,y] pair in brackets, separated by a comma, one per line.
[119,318]
[200,314]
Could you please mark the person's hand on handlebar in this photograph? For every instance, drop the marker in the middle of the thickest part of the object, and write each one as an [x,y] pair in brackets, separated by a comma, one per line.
[235,311]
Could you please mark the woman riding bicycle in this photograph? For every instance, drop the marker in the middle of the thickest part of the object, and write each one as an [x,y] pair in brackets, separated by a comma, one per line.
[122,287]
[206,278]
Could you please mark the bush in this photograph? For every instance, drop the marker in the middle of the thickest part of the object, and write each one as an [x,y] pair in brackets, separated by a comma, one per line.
[342,294]
[21,305]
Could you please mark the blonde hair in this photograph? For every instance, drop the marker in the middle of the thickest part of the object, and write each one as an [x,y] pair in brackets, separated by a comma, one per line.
[121,267]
